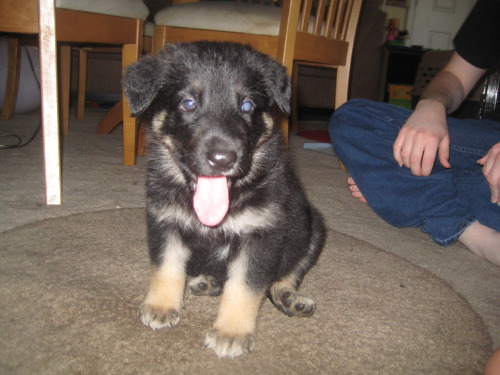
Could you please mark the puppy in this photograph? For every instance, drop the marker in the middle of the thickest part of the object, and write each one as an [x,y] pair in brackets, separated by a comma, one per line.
[223,203]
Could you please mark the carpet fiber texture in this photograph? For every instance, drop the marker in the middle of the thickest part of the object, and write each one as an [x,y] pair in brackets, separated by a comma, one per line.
[70,289]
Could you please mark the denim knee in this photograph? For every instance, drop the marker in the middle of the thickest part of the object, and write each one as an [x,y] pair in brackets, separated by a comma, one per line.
[342,124]
[362,128]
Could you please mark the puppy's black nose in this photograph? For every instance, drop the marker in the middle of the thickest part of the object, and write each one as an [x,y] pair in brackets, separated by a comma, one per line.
[221,160]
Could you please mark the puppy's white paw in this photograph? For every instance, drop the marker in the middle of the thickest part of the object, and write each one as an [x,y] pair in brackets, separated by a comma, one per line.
[157,318]
[227,345]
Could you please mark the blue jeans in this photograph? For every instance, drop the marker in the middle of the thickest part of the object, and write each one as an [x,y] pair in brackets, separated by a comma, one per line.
[443,204]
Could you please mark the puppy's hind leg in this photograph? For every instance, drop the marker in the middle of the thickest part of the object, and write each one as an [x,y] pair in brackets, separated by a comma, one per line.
[285,297]
[163,303]
[284,292]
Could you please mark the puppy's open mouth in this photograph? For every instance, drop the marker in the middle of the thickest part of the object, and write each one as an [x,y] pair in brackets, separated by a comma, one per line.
[211,199]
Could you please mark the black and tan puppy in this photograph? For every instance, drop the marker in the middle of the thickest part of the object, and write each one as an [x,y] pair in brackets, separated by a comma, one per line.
[223,203]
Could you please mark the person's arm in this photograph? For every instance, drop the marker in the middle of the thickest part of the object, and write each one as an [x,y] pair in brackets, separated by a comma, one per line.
[425,134]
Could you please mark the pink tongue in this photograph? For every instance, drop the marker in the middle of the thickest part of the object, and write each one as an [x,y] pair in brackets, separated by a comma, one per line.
[211,200]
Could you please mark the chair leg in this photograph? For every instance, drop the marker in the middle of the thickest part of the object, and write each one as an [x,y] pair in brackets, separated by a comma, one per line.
[159,39]
[341,91]
[64,85]
[130,55]
[121,112]
[50,121]
[141,142]
[12,88]
[82,84]
[341,86]
[284,127]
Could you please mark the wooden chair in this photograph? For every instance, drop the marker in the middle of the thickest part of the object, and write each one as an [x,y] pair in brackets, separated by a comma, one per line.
[315,32]
[68,26]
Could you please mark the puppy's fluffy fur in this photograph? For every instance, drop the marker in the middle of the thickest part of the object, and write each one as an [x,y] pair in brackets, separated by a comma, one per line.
[210,108]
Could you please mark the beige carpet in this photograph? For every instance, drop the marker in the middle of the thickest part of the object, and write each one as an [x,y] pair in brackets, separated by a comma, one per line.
[70,288]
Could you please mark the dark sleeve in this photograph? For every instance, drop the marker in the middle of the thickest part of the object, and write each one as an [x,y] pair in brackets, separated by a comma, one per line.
[478,40]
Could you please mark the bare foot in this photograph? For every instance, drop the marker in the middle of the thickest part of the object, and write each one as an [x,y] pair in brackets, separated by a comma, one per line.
[355,190]
[493,365]
[483,241]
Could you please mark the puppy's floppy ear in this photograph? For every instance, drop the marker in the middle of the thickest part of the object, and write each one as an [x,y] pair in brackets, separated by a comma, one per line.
[279,85]
[142,81]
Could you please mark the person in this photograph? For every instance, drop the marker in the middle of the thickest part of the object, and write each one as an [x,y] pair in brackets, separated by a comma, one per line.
[423,169]
[493,365]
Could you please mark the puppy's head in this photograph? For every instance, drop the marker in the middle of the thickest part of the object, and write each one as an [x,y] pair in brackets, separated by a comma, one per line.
[178,63]
[210,104]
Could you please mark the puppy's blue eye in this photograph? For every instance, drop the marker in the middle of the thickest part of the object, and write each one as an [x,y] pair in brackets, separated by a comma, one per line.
[247,107]
[188,105]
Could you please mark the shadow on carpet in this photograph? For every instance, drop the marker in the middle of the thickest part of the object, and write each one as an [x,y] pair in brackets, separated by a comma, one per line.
[70,290]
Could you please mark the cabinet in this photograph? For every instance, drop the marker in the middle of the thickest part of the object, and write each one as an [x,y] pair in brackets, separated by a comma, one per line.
[399,66]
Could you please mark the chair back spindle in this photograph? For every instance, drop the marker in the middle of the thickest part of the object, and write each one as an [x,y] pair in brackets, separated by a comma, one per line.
[327,18]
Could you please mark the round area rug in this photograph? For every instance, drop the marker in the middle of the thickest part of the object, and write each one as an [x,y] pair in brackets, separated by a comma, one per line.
[70,289]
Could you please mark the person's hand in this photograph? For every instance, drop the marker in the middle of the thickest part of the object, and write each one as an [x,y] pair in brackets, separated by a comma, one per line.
[423,137]
[491,170]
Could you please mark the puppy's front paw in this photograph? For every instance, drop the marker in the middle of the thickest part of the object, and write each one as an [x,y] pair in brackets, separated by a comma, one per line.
[294,304]
[157,318]
[205,285]
[228,345]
